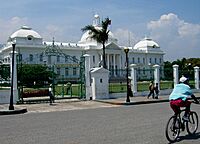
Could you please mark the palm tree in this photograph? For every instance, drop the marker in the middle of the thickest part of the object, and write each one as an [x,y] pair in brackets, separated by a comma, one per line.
[100,35]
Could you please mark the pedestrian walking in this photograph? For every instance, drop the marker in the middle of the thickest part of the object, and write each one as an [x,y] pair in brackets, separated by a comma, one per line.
[51,96]
[156,91]
[130,92]
[151,90]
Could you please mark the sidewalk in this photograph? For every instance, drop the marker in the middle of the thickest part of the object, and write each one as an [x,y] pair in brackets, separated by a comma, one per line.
[75,104]
[139,100]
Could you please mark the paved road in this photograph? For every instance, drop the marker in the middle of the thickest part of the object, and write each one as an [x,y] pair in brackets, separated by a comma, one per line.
[134,124]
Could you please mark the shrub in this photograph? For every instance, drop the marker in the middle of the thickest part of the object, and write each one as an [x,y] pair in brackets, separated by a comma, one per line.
[35,93]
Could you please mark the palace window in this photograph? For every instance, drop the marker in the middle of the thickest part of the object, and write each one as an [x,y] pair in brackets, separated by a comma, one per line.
[138,60]
[133,60]
[30,57]
[58,58]
[66,71]
[150,60]
[41,58]
[93,59]
[58,71]
[74,71]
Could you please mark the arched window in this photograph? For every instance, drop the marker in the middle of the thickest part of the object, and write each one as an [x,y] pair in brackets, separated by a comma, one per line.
[30,37]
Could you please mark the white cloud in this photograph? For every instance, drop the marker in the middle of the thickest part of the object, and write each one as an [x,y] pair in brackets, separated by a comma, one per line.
[7,27]
[176,37]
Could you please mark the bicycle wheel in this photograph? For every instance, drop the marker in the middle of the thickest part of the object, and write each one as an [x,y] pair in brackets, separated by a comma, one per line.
[192,124]
[172,130]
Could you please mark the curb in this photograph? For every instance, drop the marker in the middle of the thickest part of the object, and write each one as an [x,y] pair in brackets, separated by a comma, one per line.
[136,102]
[133,103]
[11,112]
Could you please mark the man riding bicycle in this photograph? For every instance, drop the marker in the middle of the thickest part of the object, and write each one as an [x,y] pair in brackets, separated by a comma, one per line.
[179,97]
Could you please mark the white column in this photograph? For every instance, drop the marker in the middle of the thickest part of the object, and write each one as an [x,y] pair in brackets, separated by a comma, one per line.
[15,90]
[120,65]
[87,77]
[114,64]
[157,75]
[196,77]
[133,78]
[108,61]
[175,74]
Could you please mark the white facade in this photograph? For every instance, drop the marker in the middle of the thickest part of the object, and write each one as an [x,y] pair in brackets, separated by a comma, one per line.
[30,46]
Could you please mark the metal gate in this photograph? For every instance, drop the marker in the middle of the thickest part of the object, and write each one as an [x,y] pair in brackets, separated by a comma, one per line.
[4,75]
[67,77]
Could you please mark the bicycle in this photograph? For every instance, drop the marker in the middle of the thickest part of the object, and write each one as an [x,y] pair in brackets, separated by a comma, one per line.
[175,124]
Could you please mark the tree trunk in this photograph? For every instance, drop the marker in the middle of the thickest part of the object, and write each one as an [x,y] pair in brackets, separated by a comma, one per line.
[104,57]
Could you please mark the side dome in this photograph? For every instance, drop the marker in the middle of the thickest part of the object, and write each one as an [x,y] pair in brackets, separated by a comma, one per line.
[25,31]
[146,43]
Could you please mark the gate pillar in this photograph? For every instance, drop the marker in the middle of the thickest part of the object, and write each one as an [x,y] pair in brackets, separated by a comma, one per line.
[196,77]
[175,74]
[133,78]
[157,75]
[87,77]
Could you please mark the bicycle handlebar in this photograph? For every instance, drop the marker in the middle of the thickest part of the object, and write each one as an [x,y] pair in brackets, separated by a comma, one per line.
[193,101]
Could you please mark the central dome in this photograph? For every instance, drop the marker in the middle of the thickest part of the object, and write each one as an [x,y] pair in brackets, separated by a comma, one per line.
[86,37]
[25,31]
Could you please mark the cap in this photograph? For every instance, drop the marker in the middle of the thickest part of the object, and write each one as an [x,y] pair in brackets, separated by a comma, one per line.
[183,79]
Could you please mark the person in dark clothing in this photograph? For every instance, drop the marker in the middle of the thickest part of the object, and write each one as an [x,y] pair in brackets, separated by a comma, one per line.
[156,91]
[51,96]
[130,90]
[151,90]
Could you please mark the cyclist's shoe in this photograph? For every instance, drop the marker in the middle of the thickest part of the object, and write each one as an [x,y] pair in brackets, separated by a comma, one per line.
[176,125]
[185,118]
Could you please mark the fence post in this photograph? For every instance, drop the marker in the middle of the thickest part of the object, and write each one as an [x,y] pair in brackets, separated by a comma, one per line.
[196,77]
[175,74]
[157,75]
[87,77]
[133,78]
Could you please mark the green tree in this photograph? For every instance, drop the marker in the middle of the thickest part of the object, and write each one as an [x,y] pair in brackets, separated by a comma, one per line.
[30,74]
[5,72]
[100,35]
[186,66]
[168,71]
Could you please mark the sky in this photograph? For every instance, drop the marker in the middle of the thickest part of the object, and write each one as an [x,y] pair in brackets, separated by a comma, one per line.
[173,24]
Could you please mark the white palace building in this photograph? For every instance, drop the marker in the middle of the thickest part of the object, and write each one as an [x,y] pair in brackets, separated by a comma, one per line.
[31,48]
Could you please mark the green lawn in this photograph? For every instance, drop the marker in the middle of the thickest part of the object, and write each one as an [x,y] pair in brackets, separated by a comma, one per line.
[113,88]
[141,86]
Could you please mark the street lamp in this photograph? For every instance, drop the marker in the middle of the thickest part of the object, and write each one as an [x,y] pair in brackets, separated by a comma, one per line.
[11,107]
[126,50]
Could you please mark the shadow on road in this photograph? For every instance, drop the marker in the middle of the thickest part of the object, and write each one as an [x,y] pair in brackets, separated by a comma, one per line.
[189,137]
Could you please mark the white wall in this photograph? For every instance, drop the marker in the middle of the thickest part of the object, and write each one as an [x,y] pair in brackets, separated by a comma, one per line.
[5,97]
